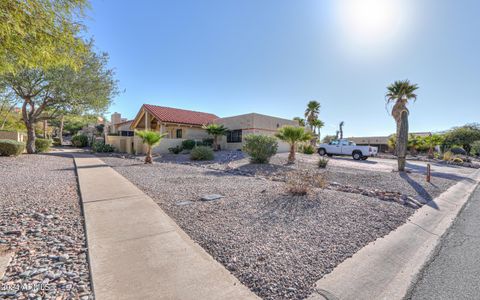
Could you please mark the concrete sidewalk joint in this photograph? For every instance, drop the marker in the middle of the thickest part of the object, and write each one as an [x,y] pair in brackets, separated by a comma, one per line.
[136,251]
[385,268]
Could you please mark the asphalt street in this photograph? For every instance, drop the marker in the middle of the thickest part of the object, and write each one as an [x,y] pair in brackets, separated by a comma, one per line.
[454,272]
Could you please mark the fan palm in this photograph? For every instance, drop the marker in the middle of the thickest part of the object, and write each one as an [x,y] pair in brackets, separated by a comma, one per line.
[399,93]
[301,122]
[151,139]
[215,130]
[293,135]
[312,112]
[317,125]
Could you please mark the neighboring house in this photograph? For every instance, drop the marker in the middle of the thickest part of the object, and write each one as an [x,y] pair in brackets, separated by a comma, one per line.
[253,123]
[181,124]
[124,128]
[381,141]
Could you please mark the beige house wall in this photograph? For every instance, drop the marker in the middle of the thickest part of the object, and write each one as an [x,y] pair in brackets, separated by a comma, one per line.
[254,123]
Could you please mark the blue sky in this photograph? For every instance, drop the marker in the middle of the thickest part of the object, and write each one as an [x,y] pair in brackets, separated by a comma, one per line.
[230,57]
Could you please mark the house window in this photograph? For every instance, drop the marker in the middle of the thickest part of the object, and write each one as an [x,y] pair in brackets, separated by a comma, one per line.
[234,136]
[179,133]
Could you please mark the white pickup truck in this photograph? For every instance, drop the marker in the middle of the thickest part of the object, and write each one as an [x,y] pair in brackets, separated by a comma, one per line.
[346,147]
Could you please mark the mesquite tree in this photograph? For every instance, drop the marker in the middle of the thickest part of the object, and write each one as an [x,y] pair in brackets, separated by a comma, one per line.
[399,93]
[45,94]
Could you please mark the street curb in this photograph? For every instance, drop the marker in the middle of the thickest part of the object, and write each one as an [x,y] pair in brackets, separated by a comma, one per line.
[385,268]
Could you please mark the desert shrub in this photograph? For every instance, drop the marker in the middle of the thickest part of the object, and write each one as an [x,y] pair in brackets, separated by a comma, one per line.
[458,151]
[42,145]
[11,147]
[189,144]
[308,149]
[102,147]
[457,160]
[56,141]
[322,162]
[80,140]
[475,148]
[260,148]
[447,156]
[175,150]
[201,153]
[300,183]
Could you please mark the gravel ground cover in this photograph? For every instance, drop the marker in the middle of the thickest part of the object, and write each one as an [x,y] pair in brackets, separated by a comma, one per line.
[41,223]
[276,244]
[410,184]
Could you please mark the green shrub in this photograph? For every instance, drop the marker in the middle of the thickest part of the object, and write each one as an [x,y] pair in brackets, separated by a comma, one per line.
[308,149]
[260,148]
[475,148]
[322,162]
[42,145]
[201,153]
[189,144]
[175,150]
[11,147]
[80,140]
[102,147]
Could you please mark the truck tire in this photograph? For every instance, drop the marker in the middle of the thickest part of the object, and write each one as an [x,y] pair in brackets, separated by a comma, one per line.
[357,155]
[322,152]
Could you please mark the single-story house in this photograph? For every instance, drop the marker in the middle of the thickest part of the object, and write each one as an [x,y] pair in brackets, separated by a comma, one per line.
[181,124]
[381,141]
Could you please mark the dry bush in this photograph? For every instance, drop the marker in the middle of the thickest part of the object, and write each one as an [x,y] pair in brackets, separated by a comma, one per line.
[301,182]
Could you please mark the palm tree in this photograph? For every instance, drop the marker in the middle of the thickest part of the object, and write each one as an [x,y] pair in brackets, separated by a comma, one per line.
[215,130]
[399,93]
[413,143]
[317,125]
[312,112]
[301,122]
[151,139]
[340,126]
[293,135]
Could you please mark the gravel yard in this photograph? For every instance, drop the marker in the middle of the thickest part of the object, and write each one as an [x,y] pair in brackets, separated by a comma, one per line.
[41,223]
[276,244]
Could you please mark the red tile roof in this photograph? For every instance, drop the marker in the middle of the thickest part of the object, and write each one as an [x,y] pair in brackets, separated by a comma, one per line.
[175,115]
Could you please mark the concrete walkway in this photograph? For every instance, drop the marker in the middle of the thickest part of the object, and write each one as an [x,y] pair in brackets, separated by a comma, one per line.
[454,272]
[385,268]
[136,251]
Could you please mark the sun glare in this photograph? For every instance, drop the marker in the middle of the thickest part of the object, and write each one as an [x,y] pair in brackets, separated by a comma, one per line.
[368,22]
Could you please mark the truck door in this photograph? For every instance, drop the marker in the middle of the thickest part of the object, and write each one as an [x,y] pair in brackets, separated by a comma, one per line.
[346,148]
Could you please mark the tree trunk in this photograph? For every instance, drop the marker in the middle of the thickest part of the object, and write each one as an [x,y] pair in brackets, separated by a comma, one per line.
[148,158]
[45,127]
[215,147]
[30,138]
[291,155]
[402,141]
[60,130]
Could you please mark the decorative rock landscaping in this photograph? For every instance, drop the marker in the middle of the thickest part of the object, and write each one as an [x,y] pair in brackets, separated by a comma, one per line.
[277,244]
[41,223]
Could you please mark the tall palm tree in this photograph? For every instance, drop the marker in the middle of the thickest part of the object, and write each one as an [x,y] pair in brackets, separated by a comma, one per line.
[340,128]
[293,135]
[215,130]
[301,121]
[312,112]
[151,139]
[317,125]
[399,93]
